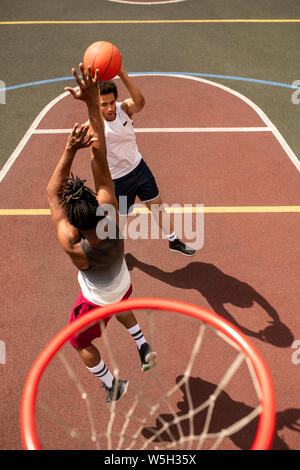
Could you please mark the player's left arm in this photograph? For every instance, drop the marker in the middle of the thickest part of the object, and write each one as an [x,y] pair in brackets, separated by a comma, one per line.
[136,102]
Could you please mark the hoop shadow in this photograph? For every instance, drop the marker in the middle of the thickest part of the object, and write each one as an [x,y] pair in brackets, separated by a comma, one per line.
[226,412]
[219,289]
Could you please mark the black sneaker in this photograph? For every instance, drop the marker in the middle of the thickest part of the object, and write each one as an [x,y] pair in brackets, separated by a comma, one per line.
[177,245]
[148,357]
[116,391]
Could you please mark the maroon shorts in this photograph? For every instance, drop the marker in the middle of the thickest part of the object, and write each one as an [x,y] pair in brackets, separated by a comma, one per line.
[86,336]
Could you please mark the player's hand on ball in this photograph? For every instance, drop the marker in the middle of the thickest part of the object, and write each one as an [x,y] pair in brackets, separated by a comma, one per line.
[122,71]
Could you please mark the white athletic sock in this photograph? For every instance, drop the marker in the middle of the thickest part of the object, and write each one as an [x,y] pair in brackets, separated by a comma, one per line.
[101,371]
[137,335]
[172,236]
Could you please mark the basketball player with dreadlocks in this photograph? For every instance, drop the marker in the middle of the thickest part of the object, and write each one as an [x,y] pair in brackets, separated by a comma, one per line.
[103,275]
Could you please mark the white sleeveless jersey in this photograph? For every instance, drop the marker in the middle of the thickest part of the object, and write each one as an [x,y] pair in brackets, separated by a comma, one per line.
[123,155]
[111,293]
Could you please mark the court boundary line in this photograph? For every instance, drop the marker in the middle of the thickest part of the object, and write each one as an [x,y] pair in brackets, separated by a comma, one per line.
[194,74]
[240,20]
[239,95]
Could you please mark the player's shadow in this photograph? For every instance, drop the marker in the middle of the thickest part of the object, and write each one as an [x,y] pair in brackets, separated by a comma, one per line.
[219,289]
[226,412]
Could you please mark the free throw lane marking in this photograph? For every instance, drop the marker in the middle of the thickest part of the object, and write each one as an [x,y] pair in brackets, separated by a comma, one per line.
[177,210]
[288,151]
[18,150]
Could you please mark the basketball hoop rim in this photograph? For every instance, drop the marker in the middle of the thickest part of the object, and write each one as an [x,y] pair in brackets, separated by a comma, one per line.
[266,424]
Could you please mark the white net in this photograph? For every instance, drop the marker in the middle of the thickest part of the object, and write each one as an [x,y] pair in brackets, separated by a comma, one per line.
[202,394]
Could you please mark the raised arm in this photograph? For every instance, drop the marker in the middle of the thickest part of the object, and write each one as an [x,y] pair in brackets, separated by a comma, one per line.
[68,235]
[79,138]
[136,102]
[88,92]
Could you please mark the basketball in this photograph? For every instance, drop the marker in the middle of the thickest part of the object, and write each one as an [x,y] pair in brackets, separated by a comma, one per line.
[104,56]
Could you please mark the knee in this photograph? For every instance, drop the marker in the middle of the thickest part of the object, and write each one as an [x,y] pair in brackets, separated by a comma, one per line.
[155,204]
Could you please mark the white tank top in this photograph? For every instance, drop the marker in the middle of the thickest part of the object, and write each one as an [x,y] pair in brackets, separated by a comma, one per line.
[111,293]
[123,155]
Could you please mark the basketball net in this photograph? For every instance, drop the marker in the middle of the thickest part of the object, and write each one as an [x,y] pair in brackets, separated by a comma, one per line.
[139,420]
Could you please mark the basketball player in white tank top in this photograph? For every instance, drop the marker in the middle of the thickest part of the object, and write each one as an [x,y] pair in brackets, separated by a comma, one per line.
[123,155]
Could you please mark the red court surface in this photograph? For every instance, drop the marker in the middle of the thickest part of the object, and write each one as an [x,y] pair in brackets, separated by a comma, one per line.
[199,141]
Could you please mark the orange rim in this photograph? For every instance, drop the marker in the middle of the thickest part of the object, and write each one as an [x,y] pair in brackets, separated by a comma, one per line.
[266,425]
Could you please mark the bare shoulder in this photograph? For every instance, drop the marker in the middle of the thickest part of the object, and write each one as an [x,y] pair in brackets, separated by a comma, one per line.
[68,235]
[125,108]
[69,239]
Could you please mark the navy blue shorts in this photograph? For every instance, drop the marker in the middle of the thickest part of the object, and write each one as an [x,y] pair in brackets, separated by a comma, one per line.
[139,182]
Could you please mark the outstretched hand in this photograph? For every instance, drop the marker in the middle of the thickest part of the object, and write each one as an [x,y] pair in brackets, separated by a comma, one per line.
[80,137]
[88,88]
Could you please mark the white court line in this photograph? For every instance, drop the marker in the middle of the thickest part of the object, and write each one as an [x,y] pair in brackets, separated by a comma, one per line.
[9,163]
[170,129]
[243,98]
[146,3]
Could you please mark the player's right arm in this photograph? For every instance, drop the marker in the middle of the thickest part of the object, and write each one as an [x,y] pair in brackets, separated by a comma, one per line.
[89,93]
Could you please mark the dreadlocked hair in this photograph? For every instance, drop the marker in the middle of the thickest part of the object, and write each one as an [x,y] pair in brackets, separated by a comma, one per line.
[80,203]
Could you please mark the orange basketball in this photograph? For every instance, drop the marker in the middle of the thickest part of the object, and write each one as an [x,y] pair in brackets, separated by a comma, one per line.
[104,56]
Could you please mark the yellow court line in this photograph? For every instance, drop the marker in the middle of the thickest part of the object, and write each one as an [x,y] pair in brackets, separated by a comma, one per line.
[291,20]
[222,210]
[24,211]
[178,210]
